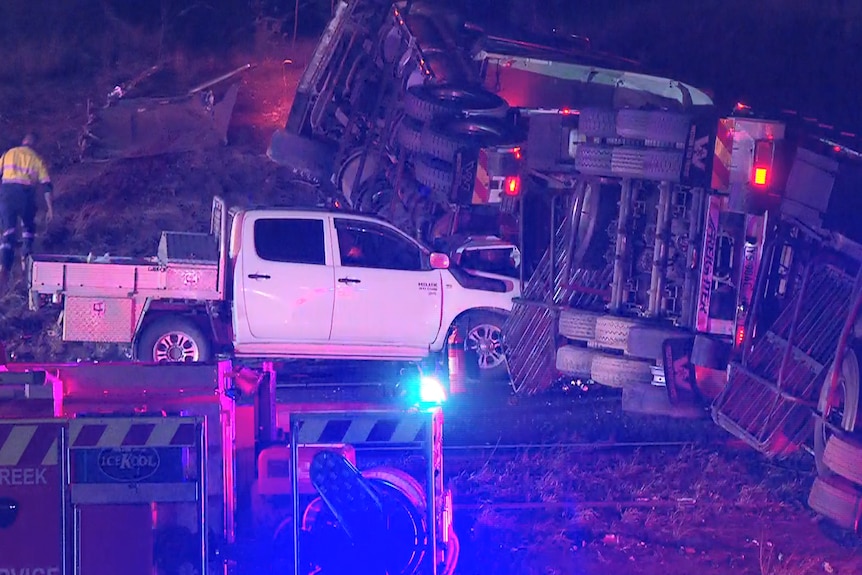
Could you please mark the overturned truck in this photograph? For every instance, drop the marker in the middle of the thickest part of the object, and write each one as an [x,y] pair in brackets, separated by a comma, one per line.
[736,293]
[398,114]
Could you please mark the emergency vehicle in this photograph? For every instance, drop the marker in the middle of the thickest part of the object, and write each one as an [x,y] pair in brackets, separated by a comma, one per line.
[194,468]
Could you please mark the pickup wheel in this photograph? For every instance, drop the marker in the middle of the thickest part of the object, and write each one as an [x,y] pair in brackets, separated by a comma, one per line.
[173,340]
[484,341]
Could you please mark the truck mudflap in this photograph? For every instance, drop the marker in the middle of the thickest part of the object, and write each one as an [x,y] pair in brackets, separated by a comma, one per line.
[770,394]
[140,127]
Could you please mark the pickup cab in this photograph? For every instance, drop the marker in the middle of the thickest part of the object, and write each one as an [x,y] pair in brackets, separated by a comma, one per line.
[276,283]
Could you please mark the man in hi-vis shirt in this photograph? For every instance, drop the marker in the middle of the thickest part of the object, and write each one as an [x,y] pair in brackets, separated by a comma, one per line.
[23,173]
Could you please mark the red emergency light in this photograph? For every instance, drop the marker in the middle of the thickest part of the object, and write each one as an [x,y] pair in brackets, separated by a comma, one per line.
[764,153]
[512,185]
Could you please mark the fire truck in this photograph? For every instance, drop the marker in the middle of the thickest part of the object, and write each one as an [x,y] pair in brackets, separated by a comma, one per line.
[194,468]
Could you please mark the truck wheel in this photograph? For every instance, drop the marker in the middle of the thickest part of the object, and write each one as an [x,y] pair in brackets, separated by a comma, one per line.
[653,125]
[410,134]
[348,173]
[443,139]
[844,414]
[649,164]
[484,341]
[615,371]
[594,159]
[837,500]
[843,456]
[435,174]
[575,361]
[578,324]
[172,340]
[426,102]
[612,332]
[597,123]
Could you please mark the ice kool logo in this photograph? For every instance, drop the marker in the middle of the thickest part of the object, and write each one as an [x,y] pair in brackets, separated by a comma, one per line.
[129,464]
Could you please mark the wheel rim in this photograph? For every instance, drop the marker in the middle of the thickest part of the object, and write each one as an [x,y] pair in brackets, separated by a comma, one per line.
[486,341]
[176,347]
[838,413]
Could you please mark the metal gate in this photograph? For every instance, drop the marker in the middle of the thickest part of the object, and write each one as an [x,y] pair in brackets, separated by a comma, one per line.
[771,393]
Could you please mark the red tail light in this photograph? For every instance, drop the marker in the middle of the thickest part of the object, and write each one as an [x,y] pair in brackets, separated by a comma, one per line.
[512,185]
[764,153]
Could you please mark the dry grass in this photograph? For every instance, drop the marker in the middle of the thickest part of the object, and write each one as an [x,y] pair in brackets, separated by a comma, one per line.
[717,511]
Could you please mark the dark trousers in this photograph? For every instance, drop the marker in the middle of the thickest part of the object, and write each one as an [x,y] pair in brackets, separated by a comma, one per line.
[17,201]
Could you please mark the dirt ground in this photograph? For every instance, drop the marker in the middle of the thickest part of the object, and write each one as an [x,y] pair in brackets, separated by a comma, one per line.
[712,507]
[709,508]
[120,207]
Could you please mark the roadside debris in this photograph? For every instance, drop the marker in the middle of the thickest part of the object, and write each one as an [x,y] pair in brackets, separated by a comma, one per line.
[149,126]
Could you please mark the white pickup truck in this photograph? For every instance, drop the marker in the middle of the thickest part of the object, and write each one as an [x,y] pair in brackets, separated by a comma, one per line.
[279,284]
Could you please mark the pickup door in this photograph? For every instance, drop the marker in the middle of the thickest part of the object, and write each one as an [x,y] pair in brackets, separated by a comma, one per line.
[287,277]
[385,289]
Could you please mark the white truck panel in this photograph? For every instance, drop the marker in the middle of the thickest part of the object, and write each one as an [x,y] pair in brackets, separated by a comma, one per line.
[123,277]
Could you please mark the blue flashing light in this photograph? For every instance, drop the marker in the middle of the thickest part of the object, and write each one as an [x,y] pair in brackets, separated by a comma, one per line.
[431,390]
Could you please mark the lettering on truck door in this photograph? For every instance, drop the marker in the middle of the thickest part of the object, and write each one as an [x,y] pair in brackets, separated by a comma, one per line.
[385,290]
[32,503]
[287,278]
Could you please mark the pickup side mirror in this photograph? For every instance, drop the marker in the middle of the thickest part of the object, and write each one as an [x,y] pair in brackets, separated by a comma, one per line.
[439,261]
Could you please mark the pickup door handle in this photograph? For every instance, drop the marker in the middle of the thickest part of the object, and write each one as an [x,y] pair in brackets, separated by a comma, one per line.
[258,276]
[349,281]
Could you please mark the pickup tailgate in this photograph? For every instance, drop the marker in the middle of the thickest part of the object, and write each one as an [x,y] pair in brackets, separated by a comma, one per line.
[103,300]
[72,276]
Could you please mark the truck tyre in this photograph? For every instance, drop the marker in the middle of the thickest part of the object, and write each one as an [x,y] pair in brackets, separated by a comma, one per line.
[575,361]
[615,371]
[837,500]
[443,139]
[410,134]
[597,123]
[484,341]
[843,456]
[434,173]
[653,125]
[848,390]
[307,159]
[348,173]
[173,340]
[426,102]
[593,159]
[650,164]
[612,332]
[647,342]
[578,324]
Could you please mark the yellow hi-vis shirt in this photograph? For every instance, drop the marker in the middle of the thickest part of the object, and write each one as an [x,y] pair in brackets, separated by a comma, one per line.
[22,165]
